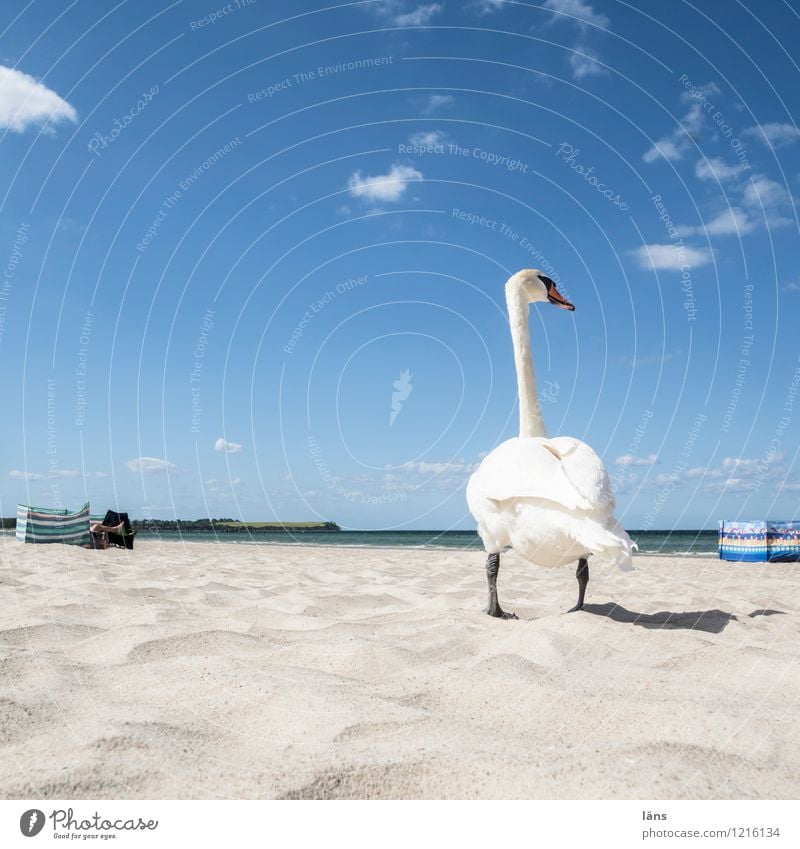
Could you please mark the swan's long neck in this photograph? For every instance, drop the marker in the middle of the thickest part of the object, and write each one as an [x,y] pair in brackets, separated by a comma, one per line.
[531,422]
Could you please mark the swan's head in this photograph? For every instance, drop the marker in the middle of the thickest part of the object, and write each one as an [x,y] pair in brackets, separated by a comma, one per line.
[532,285]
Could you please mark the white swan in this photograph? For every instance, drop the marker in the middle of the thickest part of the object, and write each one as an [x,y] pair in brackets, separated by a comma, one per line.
[548,499]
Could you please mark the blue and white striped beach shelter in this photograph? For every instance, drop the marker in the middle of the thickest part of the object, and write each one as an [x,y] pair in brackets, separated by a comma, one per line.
[37,524]
[759,542]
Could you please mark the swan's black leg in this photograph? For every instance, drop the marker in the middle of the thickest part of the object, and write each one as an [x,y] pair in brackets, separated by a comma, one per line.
[494,609]
[582,574]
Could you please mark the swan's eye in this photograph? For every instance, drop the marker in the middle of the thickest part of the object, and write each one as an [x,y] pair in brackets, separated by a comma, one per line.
[547,282]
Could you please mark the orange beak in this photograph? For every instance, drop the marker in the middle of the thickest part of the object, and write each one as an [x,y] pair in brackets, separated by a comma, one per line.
[555,297]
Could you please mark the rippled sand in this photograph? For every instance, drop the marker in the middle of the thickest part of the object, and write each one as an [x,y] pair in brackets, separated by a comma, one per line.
[244,671]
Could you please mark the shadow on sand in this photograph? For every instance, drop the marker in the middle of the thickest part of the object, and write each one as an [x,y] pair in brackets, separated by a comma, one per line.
[712,621]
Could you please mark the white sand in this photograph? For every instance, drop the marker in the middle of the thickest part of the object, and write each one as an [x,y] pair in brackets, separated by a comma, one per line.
[245,671]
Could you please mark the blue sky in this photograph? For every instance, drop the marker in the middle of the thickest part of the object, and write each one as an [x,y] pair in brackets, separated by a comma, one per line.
[253,254]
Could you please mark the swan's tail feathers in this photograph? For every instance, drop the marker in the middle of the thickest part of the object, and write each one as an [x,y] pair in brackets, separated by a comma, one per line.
[610,543]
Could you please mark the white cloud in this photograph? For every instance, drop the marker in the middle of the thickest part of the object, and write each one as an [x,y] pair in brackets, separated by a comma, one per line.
[791,286]
[633,460]
[451,466]
[445,475]
[25,476]
[675,145]
[763,201]
[769,200]
[746,466]
[773,133]
[692,121]
[405,13]
[576,11]
[150,464]
[708,90]
[583,61]
[25,101]
[215,485]
[732,485]
[486,7]
[734,474]
[414,476]
[729,222]
[60,473]
[417,17]
[671,257]
[665,478]
[667,147]
[383,187]
[227,447]
[742,474]
[761,191]
[716,169]
[702,472]
[436,102]
[427,137]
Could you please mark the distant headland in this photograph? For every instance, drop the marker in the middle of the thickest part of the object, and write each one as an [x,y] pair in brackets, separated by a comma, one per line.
[217,526]
[229,526]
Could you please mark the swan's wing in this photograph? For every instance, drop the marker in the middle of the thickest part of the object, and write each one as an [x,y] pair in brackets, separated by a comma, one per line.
[562,470]
[585,471]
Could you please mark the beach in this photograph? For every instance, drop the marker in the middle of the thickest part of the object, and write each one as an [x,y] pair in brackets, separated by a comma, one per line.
[204,670]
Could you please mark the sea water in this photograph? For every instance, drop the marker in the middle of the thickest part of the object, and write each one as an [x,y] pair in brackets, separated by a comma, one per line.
[686,543]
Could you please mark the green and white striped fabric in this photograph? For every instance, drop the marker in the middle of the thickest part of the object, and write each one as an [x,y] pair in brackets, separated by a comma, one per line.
[35,524]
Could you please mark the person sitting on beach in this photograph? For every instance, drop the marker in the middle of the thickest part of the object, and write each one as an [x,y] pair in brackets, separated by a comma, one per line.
[100,533]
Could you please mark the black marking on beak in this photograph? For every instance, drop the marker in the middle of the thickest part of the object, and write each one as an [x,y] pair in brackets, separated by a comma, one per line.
[554,296]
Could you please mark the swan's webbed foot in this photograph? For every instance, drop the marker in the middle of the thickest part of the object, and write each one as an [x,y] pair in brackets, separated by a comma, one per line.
[582,574]
[494,609]
[499,613]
